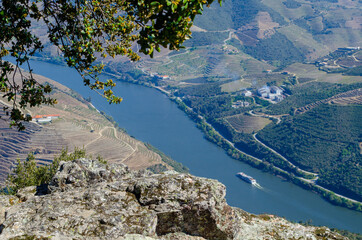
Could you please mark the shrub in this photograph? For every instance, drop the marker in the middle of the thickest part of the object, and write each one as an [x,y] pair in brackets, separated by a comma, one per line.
[27,173]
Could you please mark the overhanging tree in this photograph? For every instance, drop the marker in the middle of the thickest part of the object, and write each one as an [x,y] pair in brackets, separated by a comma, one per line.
[85,32]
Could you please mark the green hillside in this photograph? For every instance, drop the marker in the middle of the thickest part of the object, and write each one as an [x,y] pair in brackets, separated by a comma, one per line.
[311,92]
[324,140]
[277,49]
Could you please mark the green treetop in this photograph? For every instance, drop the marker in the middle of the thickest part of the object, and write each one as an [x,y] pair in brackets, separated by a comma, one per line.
[85,32]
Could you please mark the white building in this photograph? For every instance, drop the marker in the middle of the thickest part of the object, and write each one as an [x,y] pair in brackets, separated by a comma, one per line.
[276,90]
[239,104]
[44,120]
[264,91]
[272,96]
[247,93]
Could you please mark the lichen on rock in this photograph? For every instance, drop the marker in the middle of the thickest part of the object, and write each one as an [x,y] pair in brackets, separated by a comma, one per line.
[87,199]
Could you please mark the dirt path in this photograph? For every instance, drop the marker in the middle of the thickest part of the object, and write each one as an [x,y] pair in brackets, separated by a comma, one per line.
[176,55]
[116,136]
[229,37]
[354,57]
[278,117]
[94,140]
[133,149]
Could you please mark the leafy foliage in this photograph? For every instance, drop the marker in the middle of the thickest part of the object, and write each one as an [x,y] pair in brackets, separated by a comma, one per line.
[27,173]
[85,32]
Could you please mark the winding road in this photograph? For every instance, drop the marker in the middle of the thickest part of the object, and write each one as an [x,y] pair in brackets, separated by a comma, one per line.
[311,181]
[289,162]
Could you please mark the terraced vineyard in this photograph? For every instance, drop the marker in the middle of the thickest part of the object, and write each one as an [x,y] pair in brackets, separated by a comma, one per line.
[247,124]
[80,125]
[43,142]
[348,100]
[353,96]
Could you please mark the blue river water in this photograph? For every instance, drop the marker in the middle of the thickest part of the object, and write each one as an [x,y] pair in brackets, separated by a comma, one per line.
[151,117]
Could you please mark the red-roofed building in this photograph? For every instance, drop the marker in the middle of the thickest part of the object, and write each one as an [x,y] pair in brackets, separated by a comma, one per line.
[53,116]
[45,118]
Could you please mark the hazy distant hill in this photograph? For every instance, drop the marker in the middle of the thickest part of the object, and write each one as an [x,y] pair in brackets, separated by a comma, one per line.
[262,34]
[313,27]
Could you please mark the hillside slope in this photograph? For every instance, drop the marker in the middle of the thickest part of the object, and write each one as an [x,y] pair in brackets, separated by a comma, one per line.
[79,125]
[325,140]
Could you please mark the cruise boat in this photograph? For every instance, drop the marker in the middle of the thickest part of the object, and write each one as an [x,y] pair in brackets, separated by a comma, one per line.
[246,178]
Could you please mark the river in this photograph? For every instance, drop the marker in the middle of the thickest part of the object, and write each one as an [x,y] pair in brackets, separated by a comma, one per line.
[150,116]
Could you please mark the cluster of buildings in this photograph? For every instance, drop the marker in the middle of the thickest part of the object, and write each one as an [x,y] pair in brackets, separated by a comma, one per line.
[239,104]
[45,118]
[160,77]
[273,93]
[229,49]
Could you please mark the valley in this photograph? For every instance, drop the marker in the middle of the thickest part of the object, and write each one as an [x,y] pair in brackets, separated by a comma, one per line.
[309,49]
[159,121]
[283,44]
[273,87]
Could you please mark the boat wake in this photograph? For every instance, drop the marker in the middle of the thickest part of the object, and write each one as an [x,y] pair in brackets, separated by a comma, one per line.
[257,185]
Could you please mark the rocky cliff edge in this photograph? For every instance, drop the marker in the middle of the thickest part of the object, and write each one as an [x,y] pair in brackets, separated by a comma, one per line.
[90,200]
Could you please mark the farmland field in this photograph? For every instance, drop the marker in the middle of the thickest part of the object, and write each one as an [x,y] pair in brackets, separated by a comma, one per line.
[304,41]
[310,71]
[247,124]
[235,85]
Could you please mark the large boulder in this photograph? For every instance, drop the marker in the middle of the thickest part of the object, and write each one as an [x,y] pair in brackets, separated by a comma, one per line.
[90,200]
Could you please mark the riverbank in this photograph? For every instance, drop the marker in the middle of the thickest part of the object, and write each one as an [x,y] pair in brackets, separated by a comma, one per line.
[153,118]
[211,133]
[215,137]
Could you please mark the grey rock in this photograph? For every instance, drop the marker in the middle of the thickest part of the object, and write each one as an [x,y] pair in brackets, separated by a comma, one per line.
[91,200]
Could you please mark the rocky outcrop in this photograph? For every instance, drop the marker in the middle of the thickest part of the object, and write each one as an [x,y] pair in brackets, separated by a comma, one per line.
[90,200]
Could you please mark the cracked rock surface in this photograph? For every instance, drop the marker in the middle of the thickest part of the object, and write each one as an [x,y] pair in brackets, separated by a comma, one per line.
[90,200]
